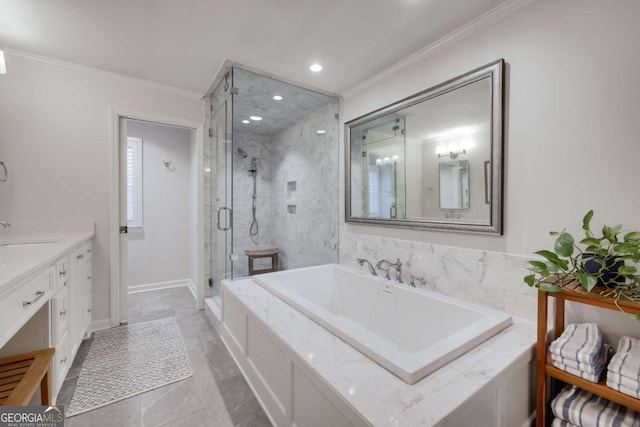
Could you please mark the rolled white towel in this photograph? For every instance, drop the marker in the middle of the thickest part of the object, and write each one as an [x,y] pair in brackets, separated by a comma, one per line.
[633,392]
[590,368]
[582,408]
[593,376]
[579,341]
[559,422]
[617,379]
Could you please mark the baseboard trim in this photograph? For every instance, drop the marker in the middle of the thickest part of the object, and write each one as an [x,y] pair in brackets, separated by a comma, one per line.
[162,285]
[192,288]
[211,307]
[99,325]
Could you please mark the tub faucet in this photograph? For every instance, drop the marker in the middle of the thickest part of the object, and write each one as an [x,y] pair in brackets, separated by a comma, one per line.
[397,265]
[362,261]
[5,224]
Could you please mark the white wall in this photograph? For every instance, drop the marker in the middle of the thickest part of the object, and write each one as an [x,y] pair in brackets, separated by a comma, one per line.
[571,118]
[55,138]
[162,250]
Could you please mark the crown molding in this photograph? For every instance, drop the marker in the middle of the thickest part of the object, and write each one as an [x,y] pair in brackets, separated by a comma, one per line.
[172,90]
[465,31]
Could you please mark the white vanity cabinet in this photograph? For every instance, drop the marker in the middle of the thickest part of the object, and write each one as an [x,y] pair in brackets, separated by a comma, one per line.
[70,310]
[45,294]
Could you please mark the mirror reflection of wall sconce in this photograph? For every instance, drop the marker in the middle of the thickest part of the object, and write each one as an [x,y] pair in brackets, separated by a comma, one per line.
[386,160]
[452,151]
[3,65]
[168,165]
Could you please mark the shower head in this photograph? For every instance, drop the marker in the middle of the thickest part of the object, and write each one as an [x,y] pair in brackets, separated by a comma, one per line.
[242,153]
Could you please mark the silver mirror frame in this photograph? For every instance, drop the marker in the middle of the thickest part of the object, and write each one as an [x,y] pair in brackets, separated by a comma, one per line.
[495,71]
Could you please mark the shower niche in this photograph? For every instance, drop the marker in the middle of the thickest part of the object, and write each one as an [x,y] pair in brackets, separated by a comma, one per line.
[291,197]
[274,144]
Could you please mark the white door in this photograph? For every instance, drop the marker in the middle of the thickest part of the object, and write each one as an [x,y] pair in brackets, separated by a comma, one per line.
[124,280]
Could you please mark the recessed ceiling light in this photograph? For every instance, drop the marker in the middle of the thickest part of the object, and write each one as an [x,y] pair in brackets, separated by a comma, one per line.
[321,131]
[246,122]
[256,118]
[278,97]
[316,68]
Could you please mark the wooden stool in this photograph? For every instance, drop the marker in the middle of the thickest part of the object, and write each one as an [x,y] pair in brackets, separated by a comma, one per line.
[263,253]
[20,376]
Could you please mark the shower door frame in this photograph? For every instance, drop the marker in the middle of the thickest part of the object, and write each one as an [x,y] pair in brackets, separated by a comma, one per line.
[225,86]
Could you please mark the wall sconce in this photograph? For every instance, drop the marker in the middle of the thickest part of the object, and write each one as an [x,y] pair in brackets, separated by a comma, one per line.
[452,151]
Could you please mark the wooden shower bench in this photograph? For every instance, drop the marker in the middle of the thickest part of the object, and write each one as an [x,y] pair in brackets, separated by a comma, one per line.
[263,253]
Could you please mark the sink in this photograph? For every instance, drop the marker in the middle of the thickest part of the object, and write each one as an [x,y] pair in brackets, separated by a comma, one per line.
[27,244]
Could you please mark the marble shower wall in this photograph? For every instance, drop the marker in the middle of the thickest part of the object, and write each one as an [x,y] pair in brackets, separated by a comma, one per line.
[491,279]
[309,235]
[257,146]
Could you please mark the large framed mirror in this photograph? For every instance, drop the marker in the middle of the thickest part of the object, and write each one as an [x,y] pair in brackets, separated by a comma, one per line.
[432,160]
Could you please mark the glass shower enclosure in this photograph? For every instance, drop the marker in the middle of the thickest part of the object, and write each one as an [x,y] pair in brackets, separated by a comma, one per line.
[218,247]
[272,173]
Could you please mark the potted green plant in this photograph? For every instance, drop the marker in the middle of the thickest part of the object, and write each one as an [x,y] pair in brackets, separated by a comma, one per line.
[609,260]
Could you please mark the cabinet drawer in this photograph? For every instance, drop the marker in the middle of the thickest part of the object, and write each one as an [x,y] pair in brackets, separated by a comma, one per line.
[61,362]
[60,315]
[61,274]
[23,303]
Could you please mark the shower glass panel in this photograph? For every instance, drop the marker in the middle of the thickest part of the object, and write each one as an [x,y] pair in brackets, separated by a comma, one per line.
[285,173]
[220,169]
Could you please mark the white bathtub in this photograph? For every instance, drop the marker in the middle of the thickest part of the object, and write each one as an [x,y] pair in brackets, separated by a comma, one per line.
[411,333]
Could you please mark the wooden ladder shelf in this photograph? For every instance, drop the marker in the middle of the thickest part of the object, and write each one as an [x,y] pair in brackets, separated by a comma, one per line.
[572,291]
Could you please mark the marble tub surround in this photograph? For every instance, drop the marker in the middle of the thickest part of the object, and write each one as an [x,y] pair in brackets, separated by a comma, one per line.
[386,321]
[382,399]
[492,279]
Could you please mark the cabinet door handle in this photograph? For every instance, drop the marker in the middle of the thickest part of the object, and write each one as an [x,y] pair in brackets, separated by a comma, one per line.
[39,295]
[80,256]
[63,273]
[63,312]
[88,310]
[63,361]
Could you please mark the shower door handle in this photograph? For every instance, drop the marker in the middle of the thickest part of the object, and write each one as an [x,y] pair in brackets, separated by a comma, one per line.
[228,220]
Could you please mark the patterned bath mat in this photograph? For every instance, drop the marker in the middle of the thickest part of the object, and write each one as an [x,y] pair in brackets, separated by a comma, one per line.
[129,360]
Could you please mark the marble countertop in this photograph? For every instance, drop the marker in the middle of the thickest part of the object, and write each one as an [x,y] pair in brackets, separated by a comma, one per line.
[23,254]
[379,396]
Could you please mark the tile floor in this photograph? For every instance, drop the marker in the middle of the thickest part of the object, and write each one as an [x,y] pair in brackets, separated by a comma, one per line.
[216,395]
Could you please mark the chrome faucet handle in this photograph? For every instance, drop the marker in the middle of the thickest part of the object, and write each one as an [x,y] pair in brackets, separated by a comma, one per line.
[422,281]
[386,270]
[398,271]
